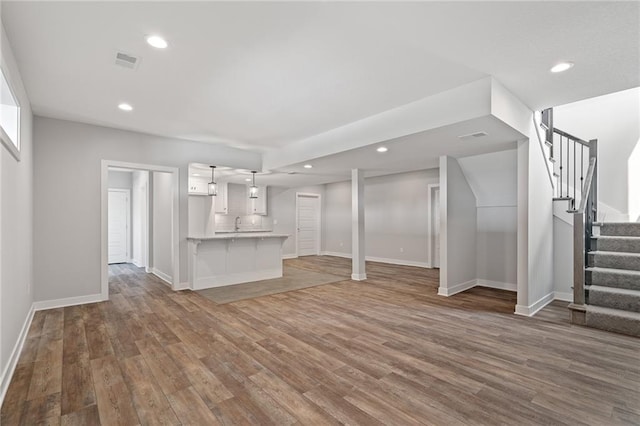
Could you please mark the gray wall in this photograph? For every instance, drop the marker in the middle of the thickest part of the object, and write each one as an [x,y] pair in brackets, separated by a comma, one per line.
[281,206]
[396,226]
[458,223]
[162,206]
[16,225]
[67,161]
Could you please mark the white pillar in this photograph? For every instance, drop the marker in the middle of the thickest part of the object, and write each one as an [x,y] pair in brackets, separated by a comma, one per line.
[358,271]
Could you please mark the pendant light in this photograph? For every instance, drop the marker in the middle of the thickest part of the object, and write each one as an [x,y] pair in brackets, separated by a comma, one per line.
[253,189]
[213,186]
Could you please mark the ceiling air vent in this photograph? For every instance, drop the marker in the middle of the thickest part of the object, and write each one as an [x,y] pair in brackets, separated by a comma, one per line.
[474,135]
[127,61]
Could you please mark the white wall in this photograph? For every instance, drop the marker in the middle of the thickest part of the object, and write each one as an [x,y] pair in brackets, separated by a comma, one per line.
[396,222]
[614,120]
[493,180]
[139,217]
[281,205]
[162,224]
[535,227]
[69,183]
[562,259]
[16,225]
[458,222]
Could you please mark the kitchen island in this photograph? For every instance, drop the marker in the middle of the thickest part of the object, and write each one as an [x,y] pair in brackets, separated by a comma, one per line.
[234,258]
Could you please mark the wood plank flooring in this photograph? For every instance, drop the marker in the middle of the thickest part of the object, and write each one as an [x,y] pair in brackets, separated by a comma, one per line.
[383,351]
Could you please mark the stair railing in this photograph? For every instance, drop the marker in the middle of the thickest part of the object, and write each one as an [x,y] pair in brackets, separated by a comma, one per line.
[570,156]
[583,218]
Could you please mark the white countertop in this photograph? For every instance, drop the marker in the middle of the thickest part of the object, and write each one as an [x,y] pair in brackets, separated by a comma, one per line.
[236,235]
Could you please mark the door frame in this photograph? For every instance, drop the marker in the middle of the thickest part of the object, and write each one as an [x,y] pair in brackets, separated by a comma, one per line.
[319,232]
[128,232]
[104,209]
[431,191]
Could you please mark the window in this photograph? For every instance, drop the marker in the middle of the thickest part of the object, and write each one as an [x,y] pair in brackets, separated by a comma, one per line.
[9,117]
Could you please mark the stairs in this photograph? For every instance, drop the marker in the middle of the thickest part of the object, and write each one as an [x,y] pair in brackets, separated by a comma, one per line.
[613,279]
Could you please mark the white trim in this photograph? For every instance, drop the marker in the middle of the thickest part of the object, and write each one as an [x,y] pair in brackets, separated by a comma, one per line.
[319,233]
[565,297]
[430,196]
[450,291]
[289,256]
[336,254]
[164,277]
[531,310]
[128,224]
[7,374]
[358,277]
[497,285]
[175,249]
[67,301]
[184,286]
[398,261]
[14,149]
[379,259]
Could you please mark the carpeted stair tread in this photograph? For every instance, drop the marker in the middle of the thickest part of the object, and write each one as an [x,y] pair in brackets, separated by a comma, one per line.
[617,243]
[616,298]
[618,278]
[624,322]
[615,260]
[628,229]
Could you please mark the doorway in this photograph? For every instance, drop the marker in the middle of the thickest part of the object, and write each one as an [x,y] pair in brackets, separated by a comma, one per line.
[140,242]
[119,226]
[308,219]
[433,220]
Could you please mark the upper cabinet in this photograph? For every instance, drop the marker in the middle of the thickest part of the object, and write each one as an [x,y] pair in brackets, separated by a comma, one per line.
[257,205]
[198,186]
[222,199]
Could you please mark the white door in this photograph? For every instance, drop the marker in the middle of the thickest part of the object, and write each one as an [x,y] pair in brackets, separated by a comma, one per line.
[308,222]
[436,228]
[119,212]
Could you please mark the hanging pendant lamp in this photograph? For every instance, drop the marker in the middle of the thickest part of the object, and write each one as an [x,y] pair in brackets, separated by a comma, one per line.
[253,189]
[213,186]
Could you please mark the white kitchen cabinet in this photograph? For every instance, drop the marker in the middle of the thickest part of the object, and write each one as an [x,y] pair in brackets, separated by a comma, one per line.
[257,205]
[198,186]
[222,200]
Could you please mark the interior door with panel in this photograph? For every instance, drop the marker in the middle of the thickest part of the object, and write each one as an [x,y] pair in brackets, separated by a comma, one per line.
[118,226]
[308,224]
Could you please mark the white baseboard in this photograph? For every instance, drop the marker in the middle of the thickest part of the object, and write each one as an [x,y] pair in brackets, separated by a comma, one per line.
[379,259]
[289,256]
[184,286]
[164,277]
[137,262]
[68,301]
[565,297]
[497,285]
[336,254]
[7,374]
[450,291]
[531,310]
[358,277]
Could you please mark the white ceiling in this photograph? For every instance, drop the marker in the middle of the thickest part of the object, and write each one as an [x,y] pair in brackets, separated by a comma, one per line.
[263,75]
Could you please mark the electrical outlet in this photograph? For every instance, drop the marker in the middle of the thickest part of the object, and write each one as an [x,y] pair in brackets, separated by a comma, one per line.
[275,221]
[401,250]
[341,244]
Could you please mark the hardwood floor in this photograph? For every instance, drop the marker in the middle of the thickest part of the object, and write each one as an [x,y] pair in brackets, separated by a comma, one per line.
[383,351]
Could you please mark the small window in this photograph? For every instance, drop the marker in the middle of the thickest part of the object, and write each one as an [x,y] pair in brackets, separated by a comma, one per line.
[9,118]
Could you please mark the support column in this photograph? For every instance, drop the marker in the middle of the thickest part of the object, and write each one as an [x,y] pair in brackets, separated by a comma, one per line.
[358,271]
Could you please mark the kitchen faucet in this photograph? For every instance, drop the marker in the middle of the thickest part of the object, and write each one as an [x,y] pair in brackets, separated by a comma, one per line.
[237,224]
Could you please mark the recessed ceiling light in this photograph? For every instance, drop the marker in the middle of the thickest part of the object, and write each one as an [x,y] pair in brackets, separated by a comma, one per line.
[125,107]
[308,166]
[382,149]
[157,42]
[247,180]
[195,174]
[562,66]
